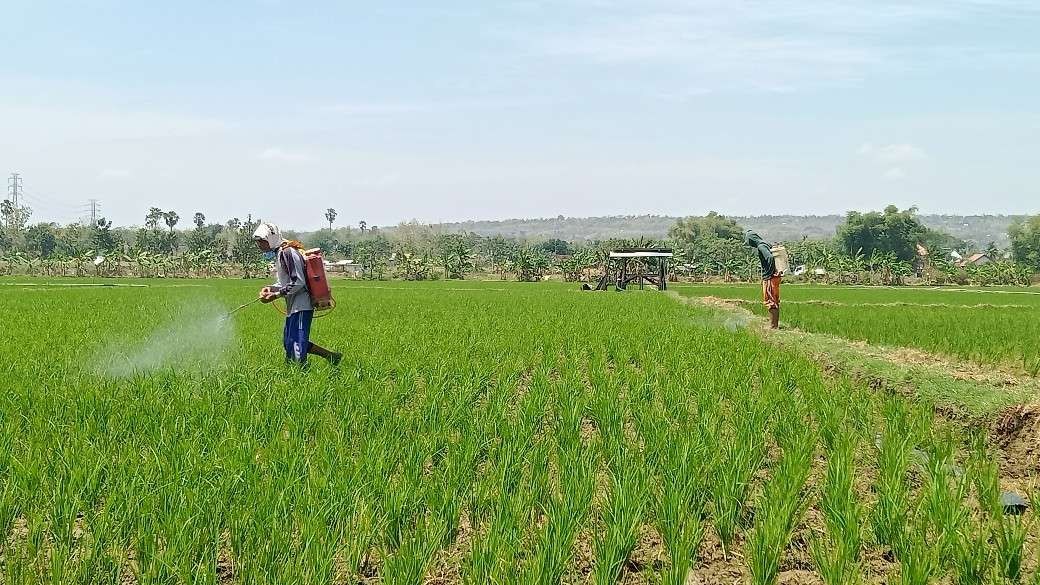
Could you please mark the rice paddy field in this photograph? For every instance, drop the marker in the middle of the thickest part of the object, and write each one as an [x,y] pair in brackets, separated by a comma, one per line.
[983,326]
[491,433]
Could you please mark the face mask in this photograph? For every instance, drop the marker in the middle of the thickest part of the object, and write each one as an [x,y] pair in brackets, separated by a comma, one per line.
[269,255]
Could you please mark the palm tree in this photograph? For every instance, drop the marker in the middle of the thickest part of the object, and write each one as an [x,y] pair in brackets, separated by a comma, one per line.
[171,218]
[330,216]
[199,219]
[362,225]
[152,218]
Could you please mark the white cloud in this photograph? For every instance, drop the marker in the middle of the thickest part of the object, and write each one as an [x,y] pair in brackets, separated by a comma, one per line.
[893,153]
[281,155]
[61,124]
[114,174]
[895,174]
[784,45]
[388,109]
[378,109]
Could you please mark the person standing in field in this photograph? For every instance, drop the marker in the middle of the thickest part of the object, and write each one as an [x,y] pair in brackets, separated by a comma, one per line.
[770,276]
[291,286]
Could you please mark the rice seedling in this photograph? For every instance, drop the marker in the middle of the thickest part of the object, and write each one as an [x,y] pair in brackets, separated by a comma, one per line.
[741,454]
[409,562]
[463,435]
[565,514]
[621,517]
[918,560]
[891,508]
[942,501]
[973,561]
[1010,536]
[982,325]
[682,498]
[783,501]
[837,554]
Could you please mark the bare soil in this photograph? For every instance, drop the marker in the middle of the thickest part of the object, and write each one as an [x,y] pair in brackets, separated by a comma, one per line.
[1016,431]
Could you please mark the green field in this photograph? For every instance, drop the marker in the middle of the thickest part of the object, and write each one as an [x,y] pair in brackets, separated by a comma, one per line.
[475,433]
[982,326]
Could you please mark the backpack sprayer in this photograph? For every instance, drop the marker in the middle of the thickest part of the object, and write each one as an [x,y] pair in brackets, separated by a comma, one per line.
[317,282]
[317,285]
[313,267]
[782,259]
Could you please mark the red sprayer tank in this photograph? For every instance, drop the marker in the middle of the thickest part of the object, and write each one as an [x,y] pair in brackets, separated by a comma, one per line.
[317,282]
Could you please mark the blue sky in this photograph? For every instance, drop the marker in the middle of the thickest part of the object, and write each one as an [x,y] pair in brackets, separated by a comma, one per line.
[468,110]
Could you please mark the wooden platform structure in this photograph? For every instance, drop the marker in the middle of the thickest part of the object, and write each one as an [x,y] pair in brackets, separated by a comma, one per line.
[645,266]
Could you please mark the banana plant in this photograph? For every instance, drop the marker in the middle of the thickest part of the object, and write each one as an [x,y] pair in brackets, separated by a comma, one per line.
[6,264]
[31,264]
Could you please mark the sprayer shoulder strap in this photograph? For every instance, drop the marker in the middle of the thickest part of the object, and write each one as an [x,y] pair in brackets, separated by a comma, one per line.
[283,260]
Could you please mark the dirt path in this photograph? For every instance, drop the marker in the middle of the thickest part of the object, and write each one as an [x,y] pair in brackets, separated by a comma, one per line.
[1005,403]
[1008,386]
[825,303]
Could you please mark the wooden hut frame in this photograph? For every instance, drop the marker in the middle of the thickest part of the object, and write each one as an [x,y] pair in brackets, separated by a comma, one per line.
[646,266]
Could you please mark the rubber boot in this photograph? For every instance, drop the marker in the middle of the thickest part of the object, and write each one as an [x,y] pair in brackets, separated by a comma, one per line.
[774,318]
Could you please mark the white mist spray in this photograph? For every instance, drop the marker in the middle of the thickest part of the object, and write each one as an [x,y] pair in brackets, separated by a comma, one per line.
[198,338]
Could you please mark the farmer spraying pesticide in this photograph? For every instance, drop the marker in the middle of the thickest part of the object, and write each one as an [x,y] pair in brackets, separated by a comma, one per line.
[292,286]
[771,276]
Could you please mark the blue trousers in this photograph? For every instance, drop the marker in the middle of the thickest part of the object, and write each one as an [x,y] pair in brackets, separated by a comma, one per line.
[297,336]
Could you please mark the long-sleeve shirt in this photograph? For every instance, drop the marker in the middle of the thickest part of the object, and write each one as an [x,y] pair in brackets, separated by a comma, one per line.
[765,254]
[292,280]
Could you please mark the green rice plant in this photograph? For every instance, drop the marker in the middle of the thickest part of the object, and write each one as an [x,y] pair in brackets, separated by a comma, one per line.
[1035,580]
[674,428]
[461,421]
[681,502]
[493,555]
[837,554]
[985,475]
[408,564]
[400,506]
[918,561]
[1009,535]
[891,508]
[357,536]
[973,562]
[942,501]
[622,517]
[942,321]
[565,514]
[976,552]
[608,416]
[783,502]
[741,455]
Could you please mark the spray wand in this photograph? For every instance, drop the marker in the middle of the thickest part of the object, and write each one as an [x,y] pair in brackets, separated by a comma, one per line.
[239,308]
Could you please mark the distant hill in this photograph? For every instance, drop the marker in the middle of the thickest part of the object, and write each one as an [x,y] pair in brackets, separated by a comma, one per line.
[980,229]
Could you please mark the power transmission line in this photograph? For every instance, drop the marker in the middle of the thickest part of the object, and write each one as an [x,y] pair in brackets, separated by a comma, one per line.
[95,206]
[14,188]
[51,208]
[47,200]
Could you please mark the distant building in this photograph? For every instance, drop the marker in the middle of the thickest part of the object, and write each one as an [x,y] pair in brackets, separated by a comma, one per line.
[978,259]
[345,267]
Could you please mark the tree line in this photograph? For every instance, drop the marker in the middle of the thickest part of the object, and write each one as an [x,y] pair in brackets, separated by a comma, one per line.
[877,247]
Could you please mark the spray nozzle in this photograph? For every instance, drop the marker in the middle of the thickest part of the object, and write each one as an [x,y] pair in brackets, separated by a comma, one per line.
[227,316]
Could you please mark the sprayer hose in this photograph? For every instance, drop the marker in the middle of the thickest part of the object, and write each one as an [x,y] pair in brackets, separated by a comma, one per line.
[318,315]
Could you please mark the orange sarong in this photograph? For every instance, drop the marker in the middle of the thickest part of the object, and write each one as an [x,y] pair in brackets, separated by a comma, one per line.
[771,292]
